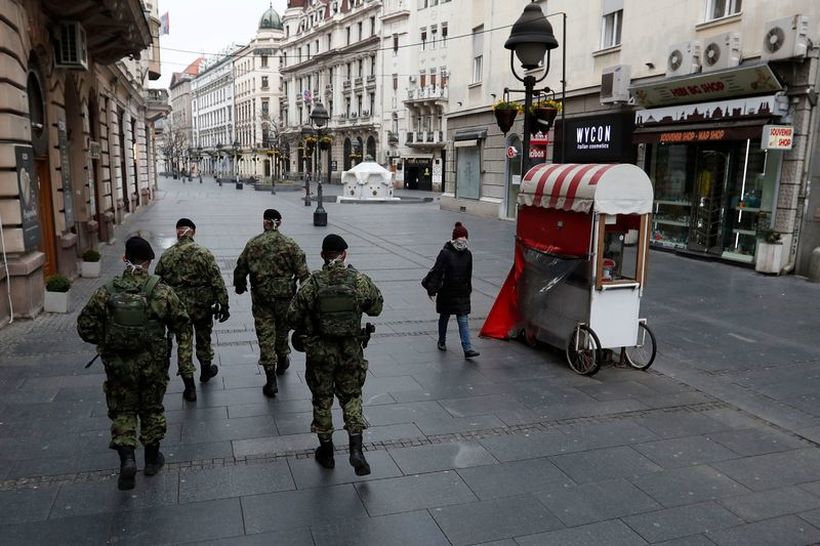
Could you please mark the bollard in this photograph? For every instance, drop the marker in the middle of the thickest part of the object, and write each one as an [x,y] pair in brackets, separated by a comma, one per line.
[814,265]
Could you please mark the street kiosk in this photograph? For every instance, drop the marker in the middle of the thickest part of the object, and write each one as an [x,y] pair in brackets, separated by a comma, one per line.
[580,264]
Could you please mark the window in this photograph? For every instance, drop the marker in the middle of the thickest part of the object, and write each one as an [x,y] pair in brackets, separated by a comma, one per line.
[347,31]
[433,36]
[423,39]
[433,77]
[395,82]
[478,53]
[361,68]
[443,72]
[359,104]
[316,52]
[443,34]
[264,82]
[349,72]
[612,19]
[722,8]
[373,66]
[359,25]
[372,103]
[372,26]
[422,78]
[264,61]
[329,41]
[395,44]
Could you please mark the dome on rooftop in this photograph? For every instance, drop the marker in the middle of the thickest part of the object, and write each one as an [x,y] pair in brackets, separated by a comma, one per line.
[270,19]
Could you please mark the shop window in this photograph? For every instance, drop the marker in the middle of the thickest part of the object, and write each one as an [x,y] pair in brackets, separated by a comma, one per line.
[717,9]
[468,172]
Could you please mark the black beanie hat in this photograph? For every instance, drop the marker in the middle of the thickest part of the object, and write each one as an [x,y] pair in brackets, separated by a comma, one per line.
[334,243]
[272,214]
[138,250]
[186,222]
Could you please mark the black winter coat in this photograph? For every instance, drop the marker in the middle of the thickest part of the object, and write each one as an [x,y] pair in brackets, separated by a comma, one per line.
[451,280]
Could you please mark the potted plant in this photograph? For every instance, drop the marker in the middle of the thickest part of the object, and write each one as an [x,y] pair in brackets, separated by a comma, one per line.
[56,297]
[545,111]
[90,267]
[769,255]
[505,113]
[310,144]
[325,142]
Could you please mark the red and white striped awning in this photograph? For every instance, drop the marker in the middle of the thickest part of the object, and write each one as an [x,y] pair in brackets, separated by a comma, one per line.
[620,188]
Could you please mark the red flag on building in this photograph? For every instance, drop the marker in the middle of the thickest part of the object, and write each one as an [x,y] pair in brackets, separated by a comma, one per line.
[164,24]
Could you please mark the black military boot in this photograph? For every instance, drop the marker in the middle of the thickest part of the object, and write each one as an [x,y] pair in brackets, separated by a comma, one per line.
[154,459]
[189,393]
[282,364]
[324,453]
[357,459]
[271,388]
[128,468]
[208,371]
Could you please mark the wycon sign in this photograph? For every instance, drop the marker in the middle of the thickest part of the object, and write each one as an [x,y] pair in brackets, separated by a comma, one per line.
[603,138]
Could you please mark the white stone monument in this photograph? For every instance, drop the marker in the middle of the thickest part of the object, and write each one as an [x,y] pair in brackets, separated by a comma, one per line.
[367,182]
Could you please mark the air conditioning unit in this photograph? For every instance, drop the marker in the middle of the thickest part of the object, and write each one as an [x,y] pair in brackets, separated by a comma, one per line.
[615,84]
[721,51]
[70,49]
[683,59]
[785,38]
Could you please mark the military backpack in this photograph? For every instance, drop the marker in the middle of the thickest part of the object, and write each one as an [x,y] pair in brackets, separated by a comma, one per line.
[339,313]
[128,325]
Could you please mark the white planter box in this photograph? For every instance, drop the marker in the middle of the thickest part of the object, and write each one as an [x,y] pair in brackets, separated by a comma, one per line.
[56,302]
[769,258]
[90,270]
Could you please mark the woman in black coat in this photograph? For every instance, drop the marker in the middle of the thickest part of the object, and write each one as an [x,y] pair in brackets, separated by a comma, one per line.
[450,283]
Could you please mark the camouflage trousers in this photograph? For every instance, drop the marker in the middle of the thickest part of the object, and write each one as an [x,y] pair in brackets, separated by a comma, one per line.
[134,389]
[203,324]
[271,330]
[336,368]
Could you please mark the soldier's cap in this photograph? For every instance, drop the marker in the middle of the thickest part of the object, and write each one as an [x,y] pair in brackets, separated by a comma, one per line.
[186,222]
[334,243]
[138,250]
[271,214]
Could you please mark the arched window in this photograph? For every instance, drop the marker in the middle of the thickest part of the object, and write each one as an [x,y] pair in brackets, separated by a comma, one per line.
[348,150]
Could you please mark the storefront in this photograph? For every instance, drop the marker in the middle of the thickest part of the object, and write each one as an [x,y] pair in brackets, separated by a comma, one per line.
[715,186]
[598,138]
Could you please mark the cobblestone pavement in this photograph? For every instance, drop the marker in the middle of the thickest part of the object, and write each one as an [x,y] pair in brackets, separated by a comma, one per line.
[714,445]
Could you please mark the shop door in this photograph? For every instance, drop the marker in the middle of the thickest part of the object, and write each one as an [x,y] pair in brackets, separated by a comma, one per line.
[426,176]
[47,237]
[711,175]
[411,176]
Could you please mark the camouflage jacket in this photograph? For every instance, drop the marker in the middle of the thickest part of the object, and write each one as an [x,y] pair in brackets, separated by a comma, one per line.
[191,270]
[164,304]
[274,262]
[302,314]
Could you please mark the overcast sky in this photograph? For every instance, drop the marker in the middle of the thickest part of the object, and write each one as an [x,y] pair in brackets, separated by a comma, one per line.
[206,26]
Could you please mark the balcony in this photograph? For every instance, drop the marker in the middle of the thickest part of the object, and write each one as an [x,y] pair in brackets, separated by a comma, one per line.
[358,82]
[365,114]
[425,139]
[329,88]
[156,104]
[427,94]
[346,83]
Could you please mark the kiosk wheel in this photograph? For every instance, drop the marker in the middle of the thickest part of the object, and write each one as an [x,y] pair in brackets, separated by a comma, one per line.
[584,351]
[643,354]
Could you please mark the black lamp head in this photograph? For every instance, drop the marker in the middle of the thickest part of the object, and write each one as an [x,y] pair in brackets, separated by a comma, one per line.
[319,115]
[531,37]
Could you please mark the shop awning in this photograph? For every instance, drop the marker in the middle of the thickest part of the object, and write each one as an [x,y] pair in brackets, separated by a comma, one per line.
[607,188]
[700,132]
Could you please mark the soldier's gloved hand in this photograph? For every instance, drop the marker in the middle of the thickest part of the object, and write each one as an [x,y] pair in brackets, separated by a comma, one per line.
[240,289]
[223,314]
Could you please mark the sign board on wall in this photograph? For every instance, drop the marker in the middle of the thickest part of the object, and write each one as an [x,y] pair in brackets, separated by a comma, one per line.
[747,80]
[28,187]
[777,137]
[596,139]
[65,173]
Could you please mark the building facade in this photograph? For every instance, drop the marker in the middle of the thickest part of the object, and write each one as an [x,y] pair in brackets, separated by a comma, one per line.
[331,54]
[77,144]
[178,137]
[683,89]
[212,112]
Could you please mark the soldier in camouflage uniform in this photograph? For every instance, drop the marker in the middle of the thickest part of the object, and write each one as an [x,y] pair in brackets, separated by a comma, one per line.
[326,316]
[274,263]
[127,320]
[191,270]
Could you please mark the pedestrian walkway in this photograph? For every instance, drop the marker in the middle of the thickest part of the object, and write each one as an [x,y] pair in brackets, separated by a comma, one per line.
[714,445]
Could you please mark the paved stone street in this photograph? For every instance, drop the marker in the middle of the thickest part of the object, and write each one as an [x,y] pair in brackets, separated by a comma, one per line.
[714,445]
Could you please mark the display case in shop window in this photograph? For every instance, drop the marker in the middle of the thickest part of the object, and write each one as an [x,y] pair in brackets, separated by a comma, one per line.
[744,219]
[671,221]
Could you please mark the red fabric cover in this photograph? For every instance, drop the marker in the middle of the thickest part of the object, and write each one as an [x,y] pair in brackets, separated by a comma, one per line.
[537,228]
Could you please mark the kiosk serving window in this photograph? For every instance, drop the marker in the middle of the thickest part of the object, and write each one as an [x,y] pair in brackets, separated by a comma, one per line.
[619,260]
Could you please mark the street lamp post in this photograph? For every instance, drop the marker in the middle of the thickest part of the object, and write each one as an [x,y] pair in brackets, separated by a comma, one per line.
[199,162]
[530,40]
[236,148]
[320,117]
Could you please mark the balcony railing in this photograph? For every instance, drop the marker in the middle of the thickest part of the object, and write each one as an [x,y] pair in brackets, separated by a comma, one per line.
[358,82]
[346,84]
[428,92]
[425,138]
